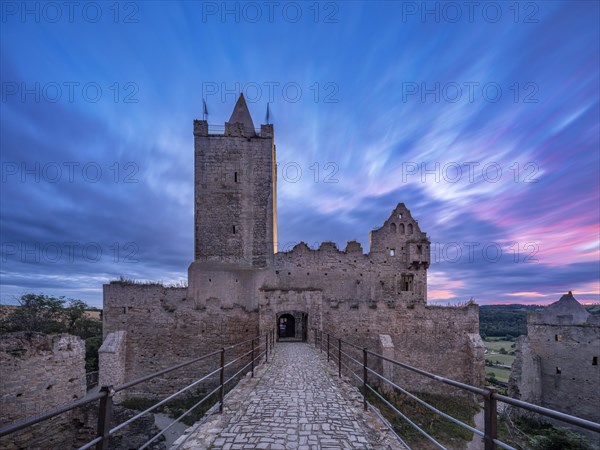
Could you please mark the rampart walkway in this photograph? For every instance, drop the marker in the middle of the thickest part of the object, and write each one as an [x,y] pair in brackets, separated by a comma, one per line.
[293,403]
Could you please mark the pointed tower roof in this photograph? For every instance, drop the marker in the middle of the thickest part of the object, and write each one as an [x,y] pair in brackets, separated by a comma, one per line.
[567,305]
[241,114]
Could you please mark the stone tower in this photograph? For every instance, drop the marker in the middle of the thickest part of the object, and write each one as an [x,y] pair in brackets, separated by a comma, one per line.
[235,217]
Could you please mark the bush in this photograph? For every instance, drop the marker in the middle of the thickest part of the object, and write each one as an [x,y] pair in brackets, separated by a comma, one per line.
[39,313]
[560,439]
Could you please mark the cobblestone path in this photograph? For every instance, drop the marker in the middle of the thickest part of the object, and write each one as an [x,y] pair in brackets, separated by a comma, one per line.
[297,404]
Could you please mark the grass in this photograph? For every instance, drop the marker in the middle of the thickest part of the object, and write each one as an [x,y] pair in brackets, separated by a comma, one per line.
[499,373]
[495,345]
[496,358]
[175,407]
[441,429]
[526,433]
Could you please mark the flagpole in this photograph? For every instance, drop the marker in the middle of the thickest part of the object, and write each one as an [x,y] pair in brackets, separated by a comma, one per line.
[204,110]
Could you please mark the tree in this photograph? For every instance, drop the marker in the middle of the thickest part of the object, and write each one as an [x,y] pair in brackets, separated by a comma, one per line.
[37,313]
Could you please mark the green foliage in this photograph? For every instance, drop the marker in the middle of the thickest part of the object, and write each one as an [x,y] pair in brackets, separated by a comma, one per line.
[510,321]
[537,435]
[440,428]
[175,407]
[505,321]
[92,345]
[560,439]
[39,313]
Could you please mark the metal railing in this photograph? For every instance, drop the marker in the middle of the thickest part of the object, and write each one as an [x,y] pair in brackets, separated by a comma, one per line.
[220,129]
[489,395]
[258,347]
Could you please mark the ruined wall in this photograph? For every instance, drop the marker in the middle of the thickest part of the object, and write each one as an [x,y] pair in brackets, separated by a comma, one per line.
[442,340]
[164,327]
[570,381]
[394,272]
[556,365]
[112,358]
[37,373]
[525,381]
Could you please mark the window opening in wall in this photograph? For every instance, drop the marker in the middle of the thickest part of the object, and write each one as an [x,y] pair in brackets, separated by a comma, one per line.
[392,252]
[594,361]
[410,228]
[558,371]
[406,282]
[124,309]
[400,216]
[558,337]
[393,227]
[419,249]
[401,228]
[235,177]
[233,228]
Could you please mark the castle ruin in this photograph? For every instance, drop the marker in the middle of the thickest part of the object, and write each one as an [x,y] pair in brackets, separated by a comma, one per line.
[556,364]
[240,285]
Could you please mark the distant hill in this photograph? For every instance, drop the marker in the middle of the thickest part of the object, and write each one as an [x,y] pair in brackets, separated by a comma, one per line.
[510,320]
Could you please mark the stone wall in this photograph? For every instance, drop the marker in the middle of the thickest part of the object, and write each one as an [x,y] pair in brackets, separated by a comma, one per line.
[556,365]
[38,373]
[164,327]
[239,285]
[235,171]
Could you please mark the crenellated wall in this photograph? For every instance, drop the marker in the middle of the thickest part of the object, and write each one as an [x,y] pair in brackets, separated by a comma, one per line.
[239,285]
[164,327]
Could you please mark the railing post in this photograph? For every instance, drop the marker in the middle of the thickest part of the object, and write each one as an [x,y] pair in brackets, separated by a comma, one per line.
[267,348]
[490,419]
[339,358]
[252,355]
[327,347]
[365,379]
[104,415]
[222,380]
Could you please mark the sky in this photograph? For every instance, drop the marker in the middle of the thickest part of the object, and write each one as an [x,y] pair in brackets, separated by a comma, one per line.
[482,118]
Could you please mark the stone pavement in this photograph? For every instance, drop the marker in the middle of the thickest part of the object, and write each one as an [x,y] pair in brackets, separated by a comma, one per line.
[294,402]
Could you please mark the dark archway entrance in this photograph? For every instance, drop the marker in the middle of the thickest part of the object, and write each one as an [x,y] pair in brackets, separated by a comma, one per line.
[292,325]
[287,326]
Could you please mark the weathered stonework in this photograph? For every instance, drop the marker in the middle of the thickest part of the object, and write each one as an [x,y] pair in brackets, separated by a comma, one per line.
[239,285]
[556,365]
[37,373]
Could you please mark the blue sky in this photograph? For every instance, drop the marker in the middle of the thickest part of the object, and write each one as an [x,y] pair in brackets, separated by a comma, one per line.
[483,121]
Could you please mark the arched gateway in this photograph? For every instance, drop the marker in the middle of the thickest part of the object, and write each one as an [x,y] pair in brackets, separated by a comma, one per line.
[292,326]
